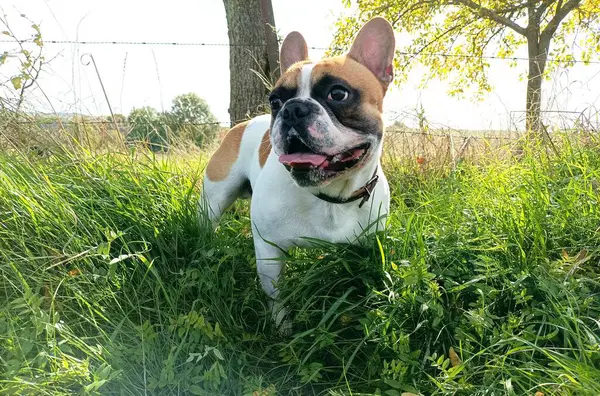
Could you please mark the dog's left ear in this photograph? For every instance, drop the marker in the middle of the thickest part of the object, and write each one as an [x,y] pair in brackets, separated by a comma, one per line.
[293,49]
[374,47]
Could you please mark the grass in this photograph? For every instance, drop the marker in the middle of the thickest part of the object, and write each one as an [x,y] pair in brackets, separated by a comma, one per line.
[485,282]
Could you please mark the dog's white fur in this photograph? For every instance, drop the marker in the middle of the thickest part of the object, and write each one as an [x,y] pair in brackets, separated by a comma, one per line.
[283,214]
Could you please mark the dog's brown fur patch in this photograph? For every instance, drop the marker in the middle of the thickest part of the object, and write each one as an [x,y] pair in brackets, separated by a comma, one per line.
[265,148]
[291,77]
[222,160]
[371,89]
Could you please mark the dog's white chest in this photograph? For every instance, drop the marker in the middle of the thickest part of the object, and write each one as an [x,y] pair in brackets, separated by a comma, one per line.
[285,214]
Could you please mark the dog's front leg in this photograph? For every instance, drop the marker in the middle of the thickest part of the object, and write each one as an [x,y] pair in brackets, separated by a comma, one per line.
[270,266]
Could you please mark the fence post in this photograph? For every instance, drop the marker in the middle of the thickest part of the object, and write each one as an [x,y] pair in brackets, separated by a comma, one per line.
[451,149]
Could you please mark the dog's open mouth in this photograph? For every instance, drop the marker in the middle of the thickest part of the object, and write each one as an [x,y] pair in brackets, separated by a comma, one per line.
[300,157]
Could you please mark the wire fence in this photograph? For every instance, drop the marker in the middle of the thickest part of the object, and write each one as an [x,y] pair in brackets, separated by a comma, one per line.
[427,148]
[120,123]
[428,130]
[320,48]
[122,126]
[428,141]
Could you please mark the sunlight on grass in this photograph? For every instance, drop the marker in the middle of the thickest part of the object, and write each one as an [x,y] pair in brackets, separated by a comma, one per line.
[109,284]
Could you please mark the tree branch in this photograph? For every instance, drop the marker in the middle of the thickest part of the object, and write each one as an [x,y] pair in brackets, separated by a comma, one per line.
[493,15]
[543,8]
[561,13]
[488,41]
[414,7]
[414,54]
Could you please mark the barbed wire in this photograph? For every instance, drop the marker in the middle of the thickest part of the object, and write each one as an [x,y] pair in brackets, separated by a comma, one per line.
[120,123]
[323,48]
[157,43]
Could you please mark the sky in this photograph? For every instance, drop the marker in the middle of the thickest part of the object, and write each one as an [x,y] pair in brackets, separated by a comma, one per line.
[136,76]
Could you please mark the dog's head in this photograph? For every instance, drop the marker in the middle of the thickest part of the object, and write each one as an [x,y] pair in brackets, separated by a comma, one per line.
[327,116]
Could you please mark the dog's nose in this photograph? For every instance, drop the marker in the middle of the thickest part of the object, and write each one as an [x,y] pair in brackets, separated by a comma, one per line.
[294,112]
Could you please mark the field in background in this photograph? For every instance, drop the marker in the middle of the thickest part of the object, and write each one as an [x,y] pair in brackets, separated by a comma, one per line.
[436,145]
[485,282]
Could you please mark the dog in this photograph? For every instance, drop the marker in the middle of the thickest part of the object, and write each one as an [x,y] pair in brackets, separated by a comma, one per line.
[311,167]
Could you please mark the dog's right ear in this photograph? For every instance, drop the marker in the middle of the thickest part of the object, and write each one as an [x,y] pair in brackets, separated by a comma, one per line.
[374,48]
[293,49]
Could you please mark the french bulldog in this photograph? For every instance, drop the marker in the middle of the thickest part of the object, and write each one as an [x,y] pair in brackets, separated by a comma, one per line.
[312,166]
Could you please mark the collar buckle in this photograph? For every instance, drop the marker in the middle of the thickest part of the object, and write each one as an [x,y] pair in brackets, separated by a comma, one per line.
[368,188]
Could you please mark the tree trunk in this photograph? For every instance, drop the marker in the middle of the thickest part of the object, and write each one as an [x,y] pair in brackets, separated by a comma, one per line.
[538,55]
[268,19]
[247,56]
[534,101]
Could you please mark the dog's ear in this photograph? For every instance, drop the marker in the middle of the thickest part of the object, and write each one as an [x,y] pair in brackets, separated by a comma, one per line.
[374,47]
[293,49]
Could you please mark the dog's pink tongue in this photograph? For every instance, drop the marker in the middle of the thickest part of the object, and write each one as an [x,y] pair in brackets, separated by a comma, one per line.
[302,159]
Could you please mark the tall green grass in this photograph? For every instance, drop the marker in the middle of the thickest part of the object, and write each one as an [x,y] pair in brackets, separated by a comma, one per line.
[110,285]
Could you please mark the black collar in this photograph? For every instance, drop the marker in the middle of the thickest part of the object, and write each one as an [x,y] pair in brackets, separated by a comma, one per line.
[364,192]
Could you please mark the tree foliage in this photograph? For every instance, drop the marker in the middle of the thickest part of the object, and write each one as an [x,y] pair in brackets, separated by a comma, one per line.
[149,127]
[27,62]
[193,120]
[453,37]
[190,119]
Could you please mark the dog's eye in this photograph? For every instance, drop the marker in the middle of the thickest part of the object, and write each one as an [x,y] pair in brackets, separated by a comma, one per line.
[275,103]
[338,94]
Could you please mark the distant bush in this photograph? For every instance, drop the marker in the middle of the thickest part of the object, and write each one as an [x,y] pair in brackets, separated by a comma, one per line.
[190,119]
[193,120]
[149,127]
[117,118]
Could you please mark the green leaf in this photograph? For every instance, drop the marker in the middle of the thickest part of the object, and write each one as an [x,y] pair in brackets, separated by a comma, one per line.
[103,248]
[218,354]
[393,383]
[196,390]
[104,372]
[17,82]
